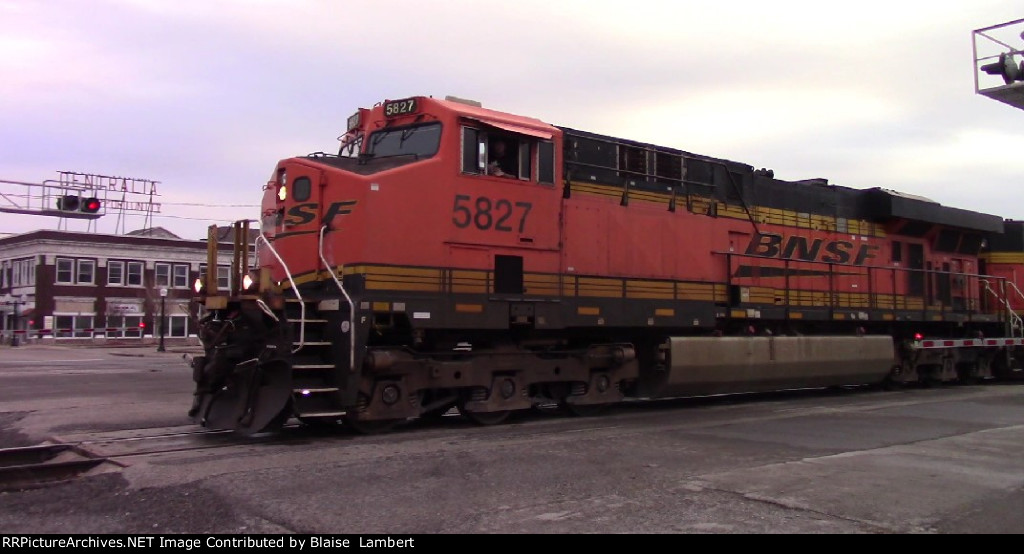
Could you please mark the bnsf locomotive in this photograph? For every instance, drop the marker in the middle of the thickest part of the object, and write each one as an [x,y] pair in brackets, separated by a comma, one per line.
[401,278]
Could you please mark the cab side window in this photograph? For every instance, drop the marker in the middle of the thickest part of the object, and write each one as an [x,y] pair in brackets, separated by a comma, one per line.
[508,155]
[473,160]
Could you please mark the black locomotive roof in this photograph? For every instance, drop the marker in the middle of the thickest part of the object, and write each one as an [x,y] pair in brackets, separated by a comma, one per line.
[762,188]
[883,204]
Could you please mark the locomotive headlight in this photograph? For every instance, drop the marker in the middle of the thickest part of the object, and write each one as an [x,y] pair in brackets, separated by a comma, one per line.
[282,193]
[198,285]
[247,281]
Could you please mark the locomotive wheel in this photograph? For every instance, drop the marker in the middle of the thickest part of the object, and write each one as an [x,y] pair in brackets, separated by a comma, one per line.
[485,418]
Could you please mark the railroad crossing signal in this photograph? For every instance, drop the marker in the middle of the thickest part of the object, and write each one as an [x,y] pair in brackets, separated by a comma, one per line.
[75,206]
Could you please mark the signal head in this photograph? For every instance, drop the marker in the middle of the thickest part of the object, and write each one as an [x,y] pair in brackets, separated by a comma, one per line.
[69,203]
[1005,68]
[90,205]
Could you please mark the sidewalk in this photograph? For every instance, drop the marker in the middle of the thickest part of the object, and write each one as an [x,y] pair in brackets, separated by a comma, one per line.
[131,350]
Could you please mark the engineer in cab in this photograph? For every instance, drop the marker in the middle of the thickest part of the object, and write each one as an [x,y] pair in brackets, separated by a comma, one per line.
[502,161]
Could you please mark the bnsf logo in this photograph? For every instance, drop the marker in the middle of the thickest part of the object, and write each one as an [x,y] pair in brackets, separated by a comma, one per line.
[804,249]
[300,214]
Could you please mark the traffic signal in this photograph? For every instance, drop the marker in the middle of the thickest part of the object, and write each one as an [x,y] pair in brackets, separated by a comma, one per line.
[1005,68]
[70,203]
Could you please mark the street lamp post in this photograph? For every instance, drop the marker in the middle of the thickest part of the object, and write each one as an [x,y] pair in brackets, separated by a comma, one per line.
[163,321]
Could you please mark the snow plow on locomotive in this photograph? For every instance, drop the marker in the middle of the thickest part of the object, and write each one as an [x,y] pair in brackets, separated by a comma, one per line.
[424,268]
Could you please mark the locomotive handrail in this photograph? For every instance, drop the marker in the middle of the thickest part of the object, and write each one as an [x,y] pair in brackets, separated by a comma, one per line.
[869,273]
[298,295]
[1016,323]
[1017,319]
[351,306]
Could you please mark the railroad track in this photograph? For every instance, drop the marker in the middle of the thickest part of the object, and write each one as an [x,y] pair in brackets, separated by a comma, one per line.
[42,464]
[73,456]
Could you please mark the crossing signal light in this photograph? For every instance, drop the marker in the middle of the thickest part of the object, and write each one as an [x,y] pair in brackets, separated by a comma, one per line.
[90,205]
[71,203]
[1005,68]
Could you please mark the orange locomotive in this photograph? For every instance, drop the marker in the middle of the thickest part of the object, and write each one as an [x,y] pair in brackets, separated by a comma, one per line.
[455,256]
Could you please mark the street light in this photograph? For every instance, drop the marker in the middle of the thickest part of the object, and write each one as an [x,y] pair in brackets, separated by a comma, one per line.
[163,298]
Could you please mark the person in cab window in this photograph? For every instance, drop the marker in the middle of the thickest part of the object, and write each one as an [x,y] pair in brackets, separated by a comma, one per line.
[502,163]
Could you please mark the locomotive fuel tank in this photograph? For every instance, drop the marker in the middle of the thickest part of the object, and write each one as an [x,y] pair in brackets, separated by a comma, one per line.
[721,365]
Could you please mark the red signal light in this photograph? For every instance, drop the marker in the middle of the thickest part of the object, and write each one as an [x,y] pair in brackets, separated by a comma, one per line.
[142,325]
[90,205]
[918,336]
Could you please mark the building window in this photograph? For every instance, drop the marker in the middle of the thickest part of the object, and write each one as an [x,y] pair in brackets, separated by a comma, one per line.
[134,275]
[86,272]
[163,275]
[73,326]
[180,279]
[22,273]
[177,325]
[223,276]
[129,326]
[22,266]
[115,273]
[69,271]
[65,271]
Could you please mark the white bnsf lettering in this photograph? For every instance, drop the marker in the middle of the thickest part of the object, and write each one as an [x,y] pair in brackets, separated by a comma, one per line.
[810,250]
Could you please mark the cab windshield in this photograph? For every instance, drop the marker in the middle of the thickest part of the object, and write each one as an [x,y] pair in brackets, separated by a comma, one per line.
[419,141]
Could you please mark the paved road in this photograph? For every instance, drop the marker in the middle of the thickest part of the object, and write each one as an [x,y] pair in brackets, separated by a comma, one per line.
[942,460]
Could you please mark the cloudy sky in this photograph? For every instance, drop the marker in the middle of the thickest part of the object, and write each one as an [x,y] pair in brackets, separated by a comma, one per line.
[205,96]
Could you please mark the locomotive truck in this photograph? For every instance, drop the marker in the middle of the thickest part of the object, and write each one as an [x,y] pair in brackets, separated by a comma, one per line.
[399,279]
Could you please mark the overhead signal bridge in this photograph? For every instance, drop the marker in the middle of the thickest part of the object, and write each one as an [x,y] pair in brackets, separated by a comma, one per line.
[999,62]
[86,196]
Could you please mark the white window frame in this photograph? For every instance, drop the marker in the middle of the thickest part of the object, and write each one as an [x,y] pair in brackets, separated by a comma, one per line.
[82,263]
[183,318]
[162,280]
[224,277]
[180,270]
[76,320]
[121,329]
[110,280]
[128,274]
[70,270]
[23,273]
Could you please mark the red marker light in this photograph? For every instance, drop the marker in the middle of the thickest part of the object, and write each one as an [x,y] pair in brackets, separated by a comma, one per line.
[918,336]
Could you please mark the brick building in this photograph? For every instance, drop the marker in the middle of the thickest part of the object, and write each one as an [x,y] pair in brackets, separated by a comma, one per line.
[89,287]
